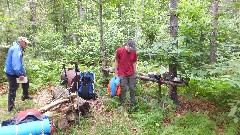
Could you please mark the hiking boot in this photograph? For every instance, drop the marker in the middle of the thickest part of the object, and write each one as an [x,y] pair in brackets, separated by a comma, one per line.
[26,98]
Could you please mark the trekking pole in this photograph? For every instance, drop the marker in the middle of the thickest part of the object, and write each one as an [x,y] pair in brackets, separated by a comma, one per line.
[77,87]
[65,80]
[76,70]
[76,81]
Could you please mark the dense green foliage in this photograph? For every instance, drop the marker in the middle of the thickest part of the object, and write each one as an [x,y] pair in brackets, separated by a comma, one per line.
[60,35]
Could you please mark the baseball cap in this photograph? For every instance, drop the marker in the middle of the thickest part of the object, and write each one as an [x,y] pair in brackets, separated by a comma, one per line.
[24,39]
[131,43]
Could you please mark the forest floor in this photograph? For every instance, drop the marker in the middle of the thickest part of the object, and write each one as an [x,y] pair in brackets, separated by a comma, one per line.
[44,96]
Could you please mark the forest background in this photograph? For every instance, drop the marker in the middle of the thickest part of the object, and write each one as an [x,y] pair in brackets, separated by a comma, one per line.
[201,35]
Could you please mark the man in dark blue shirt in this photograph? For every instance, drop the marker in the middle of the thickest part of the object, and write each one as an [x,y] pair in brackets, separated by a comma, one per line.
[14,69]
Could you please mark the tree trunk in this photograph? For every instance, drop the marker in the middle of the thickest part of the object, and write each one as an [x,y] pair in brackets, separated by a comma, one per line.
[64,25]
[56,21]
[213,37]
[119,11]
[137,27]
[101,40]
[33,20]
[172,61]
[119,16]
[142,10]
[80,9]
[9,31]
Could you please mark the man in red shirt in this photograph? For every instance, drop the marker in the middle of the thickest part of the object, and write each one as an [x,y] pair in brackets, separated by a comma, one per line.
[125,68]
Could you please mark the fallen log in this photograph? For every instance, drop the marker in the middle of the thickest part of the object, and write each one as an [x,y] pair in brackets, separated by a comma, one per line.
[147,78]
[51,105]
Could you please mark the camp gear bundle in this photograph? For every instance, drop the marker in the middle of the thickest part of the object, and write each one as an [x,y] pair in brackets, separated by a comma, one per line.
[80,82]
[27,122]
[114,88]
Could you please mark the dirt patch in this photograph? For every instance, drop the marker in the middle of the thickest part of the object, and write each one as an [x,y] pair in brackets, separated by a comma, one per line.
[195,105]
[198,105]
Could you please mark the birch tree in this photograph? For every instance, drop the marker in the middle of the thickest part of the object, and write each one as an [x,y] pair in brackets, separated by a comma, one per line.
[213,45]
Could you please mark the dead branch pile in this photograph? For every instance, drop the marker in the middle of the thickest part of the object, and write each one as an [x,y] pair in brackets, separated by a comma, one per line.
[66,109]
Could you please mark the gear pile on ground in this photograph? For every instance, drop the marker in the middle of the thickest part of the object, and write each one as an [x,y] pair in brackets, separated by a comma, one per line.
[63,108]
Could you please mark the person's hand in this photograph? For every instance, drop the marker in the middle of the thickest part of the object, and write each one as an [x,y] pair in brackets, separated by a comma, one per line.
[116,73]
[21,77]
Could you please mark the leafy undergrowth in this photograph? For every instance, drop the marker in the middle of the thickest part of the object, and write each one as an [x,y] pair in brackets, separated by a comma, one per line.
[194,116]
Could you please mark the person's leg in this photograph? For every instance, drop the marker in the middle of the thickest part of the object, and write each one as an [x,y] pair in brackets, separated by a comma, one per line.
[13,86]
[25,87]
[132,88]
[123,85]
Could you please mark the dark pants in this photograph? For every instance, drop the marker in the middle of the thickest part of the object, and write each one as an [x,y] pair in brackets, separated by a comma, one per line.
[125,83]
[13,86]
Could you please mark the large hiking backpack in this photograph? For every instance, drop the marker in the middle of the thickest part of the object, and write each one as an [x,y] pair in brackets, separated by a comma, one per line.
[86,87]
[27,122]
[114,88]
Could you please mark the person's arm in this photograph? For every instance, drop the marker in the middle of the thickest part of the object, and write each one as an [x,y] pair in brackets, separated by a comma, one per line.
[17,63]
[116,63]
[135,62]
[116,67]
[135,67]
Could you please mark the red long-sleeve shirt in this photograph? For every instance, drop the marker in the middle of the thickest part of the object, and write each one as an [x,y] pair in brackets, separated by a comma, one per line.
[125,61]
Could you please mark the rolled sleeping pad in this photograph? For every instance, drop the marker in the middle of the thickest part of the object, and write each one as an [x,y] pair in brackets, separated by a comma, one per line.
[114,86]
[30,128]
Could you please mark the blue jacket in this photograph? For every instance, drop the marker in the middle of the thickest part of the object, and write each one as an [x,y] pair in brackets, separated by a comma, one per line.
[14,65]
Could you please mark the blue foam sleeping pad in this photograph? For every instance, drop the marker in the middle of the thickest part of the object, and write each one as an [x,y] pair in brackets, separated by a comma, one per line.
[33,127]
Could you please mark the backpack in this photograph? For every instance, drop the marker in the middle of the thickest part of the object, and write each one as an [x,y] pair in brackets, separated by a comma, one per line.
[27,122]
[86,86]
[114,88]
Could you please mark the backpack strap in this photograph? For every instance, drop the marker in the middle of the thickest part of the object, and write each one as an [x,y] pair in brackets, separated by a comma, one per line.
[16,129]
[42,127]
[87,75]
